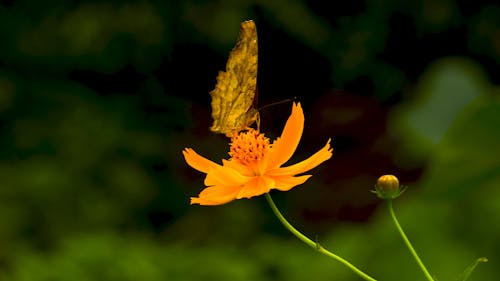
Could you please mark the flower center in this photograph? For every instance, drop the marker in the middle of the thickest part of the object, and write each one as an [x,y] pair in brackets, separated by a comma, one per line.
[249,146]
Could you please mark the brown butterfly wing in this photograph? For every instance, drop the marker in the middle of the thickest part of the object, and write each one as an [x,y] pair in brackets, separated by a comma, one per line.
[234,96]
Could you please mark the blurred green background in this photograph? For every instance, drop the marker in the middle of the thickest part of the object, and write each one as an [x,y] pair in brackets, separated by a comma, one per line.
[98,99]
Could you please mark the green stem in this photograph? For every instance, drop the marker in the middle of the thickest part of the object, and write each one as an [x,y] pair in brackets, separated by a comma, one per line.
[407,242]
[313,244]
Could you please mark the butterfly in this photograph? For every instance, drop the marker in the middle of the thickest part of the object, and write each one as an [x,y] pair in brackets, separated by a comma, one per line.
[234,96]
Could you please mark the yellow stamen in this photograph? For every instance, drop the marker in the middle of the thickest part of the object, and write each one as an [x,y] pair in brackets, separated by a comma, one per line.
[249,146]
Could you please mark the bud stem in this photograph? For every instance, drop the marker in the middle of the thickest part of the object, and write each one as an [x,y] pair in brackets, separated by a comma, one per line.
[311,243]
[407,242]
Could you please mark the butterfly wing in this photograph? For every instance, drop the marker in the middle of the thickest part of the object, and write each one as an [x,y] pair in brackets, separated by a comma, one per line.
[233,99]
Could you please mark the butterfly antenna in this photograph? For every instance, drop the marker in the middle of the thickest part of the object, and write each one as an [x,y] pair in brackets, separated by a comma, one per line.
[278,102]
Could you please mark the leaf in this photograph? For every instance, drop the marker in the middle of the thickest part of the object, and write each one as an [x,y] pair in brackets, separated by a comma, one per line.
[467,272]
[465,160]
[233,99]
[447,87]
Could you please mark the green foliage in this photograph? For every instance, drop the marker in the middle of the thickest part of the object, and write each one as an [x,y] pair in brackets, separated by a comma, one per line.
[116,257]
[452,215]
[91,35]
[74,162]
[92,181]
[444,90]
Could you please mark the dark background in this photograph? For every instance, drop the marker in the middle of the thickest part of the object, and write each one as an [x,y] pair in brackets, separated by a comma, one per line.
[98,99]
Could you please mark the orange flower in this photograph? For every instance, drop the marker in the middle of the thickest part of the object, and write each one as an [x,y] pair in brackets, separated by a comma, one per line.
[255,165]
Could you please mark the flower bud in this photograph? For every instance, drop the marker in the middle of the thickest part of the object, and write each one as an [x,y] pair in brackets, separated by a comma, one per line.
[388,187]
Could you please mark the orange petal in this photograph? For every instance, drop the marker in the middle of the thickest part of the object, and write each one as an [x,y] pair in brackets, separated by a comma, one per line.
[242,169]
[216,195]
[285,183]
[197,161]
[225,176]
[257,186]
[284,147]
[317,158]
